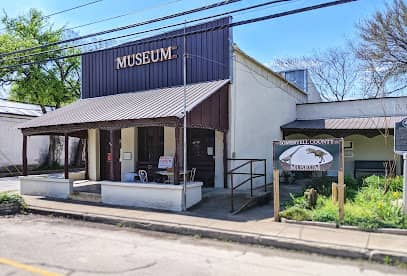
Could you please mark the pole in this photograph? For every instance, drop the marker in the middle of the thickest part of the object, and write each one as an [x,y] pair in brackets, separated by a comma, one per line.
[25,164]
[184,69]
[405,183]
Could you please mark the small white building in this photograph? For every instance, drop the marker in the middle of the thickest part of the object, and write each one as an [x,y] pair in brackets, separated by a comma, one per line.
[13,114]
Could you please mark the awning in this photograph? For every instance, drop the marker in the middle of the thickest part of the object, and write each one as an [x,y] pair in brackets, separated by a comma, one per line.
[148,106]
[341,127]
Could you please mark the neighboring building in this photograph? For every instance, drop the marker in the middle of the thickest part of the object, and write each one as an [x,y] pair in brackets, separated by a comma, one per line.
[131,113]
[11,115]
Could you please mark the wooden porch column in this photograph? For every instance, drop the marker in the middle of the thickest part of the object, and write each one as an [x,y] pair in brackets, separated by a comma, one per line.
[25,164]
[115,155]
[86,158]
[177,157]
[66,159]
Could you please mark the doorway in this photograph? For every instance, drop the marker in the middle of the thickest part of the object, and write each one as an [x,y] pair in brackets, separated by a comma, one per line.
[110,144]
[201,155]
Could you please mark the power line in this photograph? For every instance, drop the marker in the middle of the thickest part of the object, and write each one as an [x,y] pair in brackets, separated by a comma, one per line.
[202,8]
[229,25]
[123,15]
[67,10]
[152,30]
[73,8]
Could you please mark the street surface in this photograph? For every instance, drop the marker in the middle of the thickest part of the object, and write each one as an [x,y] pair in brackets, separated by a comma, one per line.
[40,245]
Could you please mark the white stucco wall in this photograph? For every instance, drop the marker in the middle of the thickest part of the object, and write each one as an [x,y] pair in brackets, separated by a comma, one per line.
[355,108]
[260,102]
[94,154]
[128,151]
[219,165]
[11,142]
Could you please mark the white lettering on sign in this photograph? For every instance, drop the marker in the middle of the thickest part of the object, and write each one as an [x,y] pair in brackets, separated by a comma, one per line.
[147,57]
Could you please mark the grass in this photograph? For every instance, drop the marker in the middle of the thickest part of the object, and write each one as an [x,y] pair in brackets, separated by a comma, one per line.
[376,203]
[7,198]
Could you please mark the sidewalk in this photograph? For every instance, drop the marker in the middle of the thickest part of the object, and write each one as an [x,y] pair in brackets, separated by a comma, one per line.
[328,241]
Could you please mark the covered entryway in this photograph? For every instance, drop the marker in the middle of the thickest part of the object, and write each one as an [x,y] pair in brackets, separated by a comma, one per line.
[201,155]
[130,132]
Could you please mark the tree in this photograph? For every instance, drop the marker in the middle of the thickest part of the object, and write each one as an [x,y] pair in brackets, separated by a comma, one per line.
[52,83]
[334,72]
[383,50]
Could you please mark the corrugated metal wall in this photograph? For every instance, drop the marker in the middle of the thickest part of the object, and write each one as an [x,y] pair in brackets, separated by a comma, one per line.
[209,59]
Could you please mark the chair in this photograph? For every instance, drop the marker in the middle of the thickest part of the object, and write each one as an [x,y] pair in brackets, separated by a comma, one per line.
[143,176]
[192,175]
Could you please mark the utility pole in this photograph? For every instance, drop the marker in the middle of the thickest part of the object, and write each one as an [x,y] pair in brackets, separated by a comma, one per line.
[184,69]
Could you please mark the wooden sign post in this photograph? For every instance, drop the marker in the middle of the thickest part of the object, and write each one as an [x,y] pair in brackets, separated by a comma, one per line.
[276,186]
[309,155]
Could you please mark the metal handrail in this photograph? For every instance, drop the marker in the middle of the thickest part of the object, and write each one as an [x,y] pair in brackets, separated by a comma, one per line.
[233,172]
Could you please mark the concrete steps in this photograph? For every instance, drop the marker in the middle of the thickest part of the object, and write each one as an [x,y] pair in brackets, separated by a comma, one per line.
[87,197]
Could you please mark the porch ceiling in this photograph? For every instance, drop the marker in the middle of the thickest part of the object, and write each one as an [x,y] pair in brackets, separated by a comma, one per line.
[153,107]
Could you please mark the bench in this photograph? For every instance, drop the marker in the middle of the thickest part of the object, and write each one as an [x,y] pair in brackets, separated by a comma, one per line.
[365,168]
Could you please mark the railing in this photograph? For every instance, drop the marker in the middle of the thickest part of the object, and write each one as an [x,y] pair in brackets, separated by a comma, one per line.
[247,164]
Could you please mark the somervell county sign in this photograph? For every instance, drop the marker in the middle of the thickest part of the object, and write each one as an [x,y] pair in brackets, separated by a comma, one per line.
[146,57]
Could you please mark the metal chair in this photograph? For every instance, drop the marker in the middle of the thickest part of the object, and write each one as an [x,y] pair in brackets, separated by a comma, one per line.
[192,175]
[143,176]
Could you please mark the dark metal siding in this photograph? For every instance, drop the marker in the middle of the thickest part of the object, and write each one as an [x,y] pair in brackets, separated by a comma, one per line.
[212,113]
[209,59]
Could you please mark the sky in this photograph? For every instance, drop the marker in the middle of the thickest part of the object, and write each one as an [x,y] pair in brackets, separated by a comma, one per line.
[290,36]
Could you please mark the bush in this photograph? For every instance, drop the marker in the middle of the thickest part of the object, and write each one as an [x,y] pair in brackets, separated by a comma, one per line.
[326,211]
[296,213]
[322,184]
[11,198]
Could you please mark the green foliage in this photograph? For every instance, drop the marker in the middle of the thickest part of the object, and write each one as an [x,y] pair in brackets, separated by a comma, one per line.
[322,184]
[375,205]
[51,83]
[7,198]
[296,213]
[326,211]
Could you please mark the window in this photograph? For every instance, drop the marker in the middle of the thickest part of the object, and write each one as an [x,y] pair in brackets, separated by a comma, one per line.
[150,144]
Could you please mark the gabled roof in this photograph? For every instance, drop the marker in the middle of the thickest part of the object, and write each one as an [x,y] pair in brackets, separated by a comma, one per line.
[17,108]
[151,104]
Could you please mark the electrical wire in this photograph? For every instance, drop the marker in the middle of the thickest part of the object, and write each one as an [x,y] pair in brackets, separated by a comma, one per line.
[229,25]
[124,14]
[67,10]
[171,16]
[150,30]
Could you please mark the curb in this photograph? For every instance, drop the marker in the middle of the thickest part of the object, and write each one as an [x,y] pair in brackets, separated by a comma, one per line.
[231,236]
[394,231]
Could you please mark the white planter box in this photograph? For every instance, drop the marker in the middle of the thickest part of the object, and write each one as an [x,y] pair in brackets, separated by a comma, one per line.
[42,185]
[150,195]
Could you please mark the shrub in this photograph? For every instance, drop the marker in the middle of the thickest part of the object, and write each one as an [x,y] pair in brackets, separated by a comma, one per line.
[326,211]
[296,213]
[322,184]
[12,198]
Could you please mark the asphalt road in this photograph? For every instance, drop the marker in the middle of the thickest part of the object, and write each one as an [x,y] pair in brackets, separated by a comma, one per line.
[39,245]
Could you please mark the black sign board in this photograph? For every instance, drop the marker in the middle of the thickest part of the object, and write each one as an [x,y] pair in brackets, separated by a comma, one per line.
[307,155]
[400,137]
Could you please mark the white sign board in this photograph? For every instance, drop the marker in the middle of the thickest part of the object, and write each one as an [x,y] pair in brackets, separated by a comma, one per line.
[166,162]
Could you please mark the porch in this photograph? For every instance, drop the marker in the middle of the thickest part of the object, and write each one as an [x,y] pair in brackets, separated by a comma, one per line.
[127,133]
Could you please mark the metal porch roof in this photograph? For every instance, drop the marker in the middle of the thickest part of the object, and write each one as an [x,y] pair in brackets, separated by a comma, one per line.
[344,123]
[150,104]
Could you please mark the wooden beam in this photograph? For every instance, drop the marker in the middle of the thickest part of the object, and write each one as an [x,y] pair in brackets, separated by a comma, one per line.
[66,159]
[225,161]
[276,186]
[24,153]
[86,158]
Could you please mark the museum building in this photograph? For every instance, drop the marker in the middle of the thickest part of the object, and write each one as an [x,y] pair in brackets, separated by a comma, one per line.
[131,115]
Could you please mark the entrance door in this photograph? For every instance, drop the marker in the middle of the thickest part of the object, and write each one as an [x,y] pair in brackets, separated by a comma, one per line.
[109,155]
[201,155]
